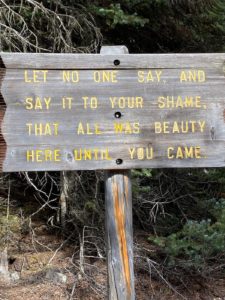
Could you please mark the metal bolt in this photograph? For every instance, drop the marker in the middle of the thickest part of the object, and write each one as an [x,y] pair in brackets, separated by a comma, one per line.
[118,114]
[119,161]
[116,62]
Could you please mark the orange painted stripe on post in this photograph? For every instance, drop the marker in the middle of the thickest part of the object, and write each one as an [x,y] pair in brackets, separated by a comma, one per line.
[120,222]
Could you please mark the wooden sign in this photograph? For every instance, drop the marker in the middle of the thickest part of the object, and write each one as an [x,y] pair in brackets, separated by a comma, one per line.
[99,111]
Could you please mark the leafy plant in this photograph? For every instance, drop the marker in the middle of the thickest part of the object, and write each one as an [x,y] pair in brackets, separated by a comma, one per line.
[114,15]
[199,243]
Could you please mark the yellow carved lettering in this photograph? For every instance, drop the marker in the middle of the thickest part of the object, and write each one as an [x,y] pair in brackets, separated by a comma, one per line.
[129,102]
[88,129]
[105,76]
[141,153]
[192,76]
[35,76]
[90,102]
[149,76]
[39,129]
[158,74]
[46,155]
[127,128]
[162,127]
[67,102]
[37,103]
[179,102]
[192,152]
[131,151]
[91,154]
[180,127]
[70,76]
[29,104]
[80,129]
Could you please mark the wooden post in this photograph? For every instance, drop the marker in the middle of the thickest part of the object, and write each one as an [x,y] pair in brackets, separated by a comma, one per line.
[119,225]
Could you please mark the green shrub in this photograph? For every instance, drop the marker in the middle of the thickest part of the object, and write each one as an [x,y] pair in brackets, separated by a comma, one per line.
[198,244]
[115,15]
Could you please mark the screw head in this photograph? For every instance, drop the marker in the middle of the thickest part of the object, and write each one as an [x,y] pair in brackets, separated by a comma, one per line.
[116,62]
[119,161]
[118,114]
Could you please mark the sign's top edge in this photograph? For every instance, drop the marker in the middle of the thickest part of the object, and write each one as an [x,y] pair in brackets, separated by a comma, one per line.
[110,61]
[107,54]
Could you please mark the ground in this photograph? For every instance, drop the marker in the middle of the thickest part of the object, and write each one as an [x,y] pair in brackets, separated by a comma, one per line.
[36,253]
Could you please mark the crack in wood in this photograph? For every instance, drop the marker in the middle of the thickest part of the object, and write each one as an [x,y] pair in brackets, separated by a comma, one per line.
[212,132]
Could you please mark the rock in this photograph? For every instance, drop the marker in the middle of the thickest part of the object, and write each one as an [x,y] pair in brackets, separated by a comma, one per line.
[56,276]
[4,271]
[4,263]
[14,276]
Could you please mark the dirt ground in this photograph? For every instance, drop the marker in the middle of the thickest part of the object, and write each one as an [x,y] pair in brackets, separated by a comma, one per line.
[34,255]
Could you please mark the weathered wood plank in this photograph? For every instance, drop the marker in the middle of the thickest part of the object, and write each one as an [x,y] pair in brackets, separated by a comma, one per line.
[159,127]
[211,153]
[127,83]
[106,61]
[195,117]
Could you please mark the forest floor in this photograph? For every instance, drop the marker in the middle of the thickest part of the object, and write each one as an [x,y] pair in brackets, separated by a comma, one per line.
[43,265]
[34,256]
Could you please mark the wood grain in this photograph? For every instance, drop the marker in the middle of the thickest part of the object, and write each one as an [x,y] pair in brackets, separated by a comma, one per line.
[119,235]
[106,61]
[2,113]
[138,123]
[14,89]
[212,154]
[119,225]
